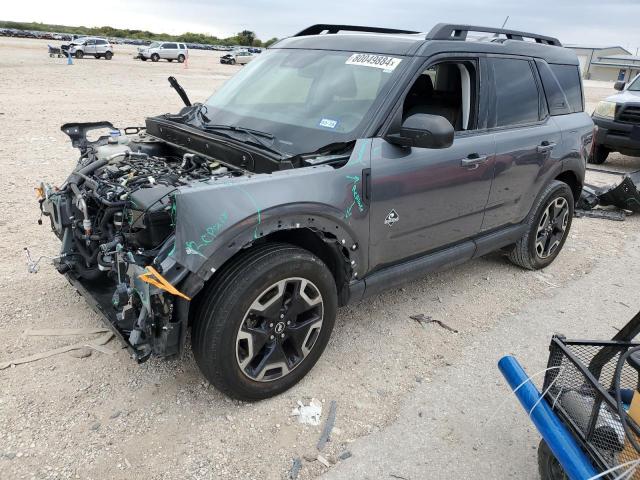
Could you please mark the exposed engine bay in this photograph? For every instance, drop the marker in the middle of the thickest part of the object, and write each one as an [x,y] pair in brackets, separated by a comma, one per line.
[115,216]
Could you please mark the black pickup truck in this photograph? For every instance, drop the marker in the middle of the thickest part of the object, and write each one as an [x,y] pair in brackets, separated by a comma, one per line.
[340,162]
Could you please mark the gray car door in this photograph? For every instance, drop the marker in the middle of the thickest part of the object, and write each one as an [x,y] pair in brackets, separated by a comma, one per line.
[90,47]
[424,199]
[526,137]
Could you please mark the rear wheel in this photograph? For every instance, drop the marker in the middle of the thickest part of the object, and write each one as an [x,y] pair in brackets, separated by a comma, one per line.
[599,155]
[548,466]
[263,324]
[548,225]
[155,57]
[108,55]
[79,54]
[181,58]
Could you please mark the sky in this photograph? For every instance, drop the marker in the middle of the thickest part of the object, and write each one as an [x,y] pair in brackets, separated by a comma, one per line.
[600,22]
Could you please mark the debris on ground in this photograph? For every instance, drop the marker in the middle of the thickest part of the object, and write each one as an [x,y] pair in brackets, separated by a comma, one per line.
[62,332]
[623,194]
[616,215]
[328,426]
[425,320]
[81,352]
[308,414]
[324,461]
[344,455]
[94,344]
[295,469]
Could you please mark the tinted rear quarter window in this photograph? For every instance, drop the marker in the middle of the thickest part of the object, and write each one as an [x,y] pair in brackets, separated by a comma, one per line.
[517,97]
[568,77]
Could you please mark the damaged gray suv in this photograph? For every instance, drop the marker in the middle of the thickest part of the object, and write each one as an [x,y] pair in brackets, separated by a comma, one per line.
[341,162]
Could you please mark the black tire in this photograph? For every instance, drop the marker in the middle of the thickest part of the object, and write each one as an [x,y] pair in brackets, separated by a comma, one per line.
[224,308]
[232,61]
[108,55]
[96,56]
[143,59]
[79,54]
[548,466]
[525,253]
[180,58]
[599,155]
[155,57]
[169,60]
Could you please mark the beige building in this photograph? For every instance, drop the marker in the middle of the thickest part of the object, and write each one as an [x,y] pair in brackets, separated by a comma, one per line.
[606,63]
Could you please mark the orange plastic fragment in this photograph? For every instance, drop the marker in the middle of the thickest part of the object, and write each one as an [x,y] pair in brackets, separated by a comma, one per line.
[153,277]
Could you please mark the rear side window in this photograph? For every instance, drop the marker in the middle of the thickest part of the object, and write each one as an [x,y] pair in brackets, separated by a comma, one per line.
[517,96]
[556,98]
[170,45]
[569,79]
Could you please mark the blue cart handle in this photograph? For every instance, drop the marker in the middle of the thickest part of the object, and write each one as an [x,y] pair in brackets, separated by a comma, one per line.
[557,436]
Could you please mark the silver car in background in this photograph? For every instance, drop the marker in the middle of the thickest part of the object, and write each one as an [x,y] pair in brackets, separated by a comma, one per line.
[98,47]
[241,57]
[169,51]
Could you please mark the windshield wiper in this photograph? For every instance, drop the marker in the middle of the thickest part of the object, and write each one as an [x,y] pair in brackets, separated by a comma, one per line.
[256,135]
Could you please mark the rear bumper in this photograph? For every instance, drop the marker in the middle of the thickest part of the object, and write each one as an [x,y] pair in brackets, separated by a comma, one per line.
[616,136]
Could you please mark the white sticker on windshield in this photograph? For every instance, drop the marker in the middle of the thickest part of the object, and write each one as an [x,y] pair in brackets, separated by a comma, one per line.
[328,123]
[388,64]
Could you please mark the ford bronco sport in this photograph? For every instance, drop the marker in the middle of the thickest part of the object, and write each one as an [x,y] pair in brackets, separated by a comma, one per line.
[341,162]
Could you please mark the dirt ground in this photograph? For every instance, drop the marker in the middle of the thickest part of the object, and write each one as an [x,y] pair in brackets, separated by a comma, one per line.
[106,417]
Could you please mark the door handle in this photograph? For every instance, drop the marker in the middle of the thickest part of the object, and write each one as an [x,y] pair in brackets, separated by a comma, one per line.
[366,186]
[473,161]
[545,146]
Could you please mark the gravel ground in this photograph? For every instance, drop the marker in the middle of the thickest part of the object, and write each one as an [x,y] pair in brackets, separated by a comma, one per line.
[106,417]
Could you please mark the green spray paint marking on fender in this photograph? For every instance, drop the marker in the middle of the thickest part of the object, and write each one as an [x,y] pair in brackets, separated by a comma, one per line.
[209,235]
[356,196]
[359,158]
[255,205]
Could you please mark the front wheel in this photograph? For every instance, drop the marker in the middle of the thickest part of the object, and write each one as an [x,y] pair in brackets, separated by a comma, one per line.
[155,57]
[599,155]
[108,55]
[232,62]
[548,465]
[79,54]
[548,226]
[263,324]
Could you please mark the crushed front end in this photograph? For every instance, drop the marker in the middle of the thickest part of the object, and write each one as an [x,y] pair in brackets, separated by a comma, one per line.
[115,217]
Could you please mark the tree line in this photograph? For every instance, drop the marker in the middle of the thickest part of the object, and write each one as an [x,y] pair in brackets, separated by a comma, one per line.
[244,38]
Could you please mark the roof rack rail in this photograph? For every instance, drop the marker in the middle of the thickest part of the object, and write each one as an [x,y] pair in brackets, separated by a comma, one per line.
[328,28]
[446,31]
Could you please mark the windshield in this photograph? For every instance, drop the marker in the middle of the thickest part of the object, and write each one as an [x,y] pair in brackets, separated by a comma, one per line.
[635,85]
[306,99]
[154,45]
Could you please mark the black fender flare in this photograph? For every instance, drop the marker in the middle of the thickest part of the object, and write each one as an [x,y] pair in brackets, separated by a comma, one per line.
[325,220]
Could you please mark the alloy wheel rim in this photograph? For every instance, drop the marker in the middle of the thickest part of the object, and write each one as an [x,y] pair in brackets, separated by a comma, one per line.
[552,227]
[279,329]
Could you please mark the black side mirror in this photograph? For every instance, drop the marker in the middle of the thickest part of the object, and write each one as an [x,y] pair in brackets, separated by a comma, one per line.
[423,130]
[619,85]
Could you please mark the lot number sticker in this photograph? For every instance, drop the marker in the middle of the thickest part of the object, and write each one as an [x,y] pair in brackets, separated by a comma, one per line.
[388,64]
